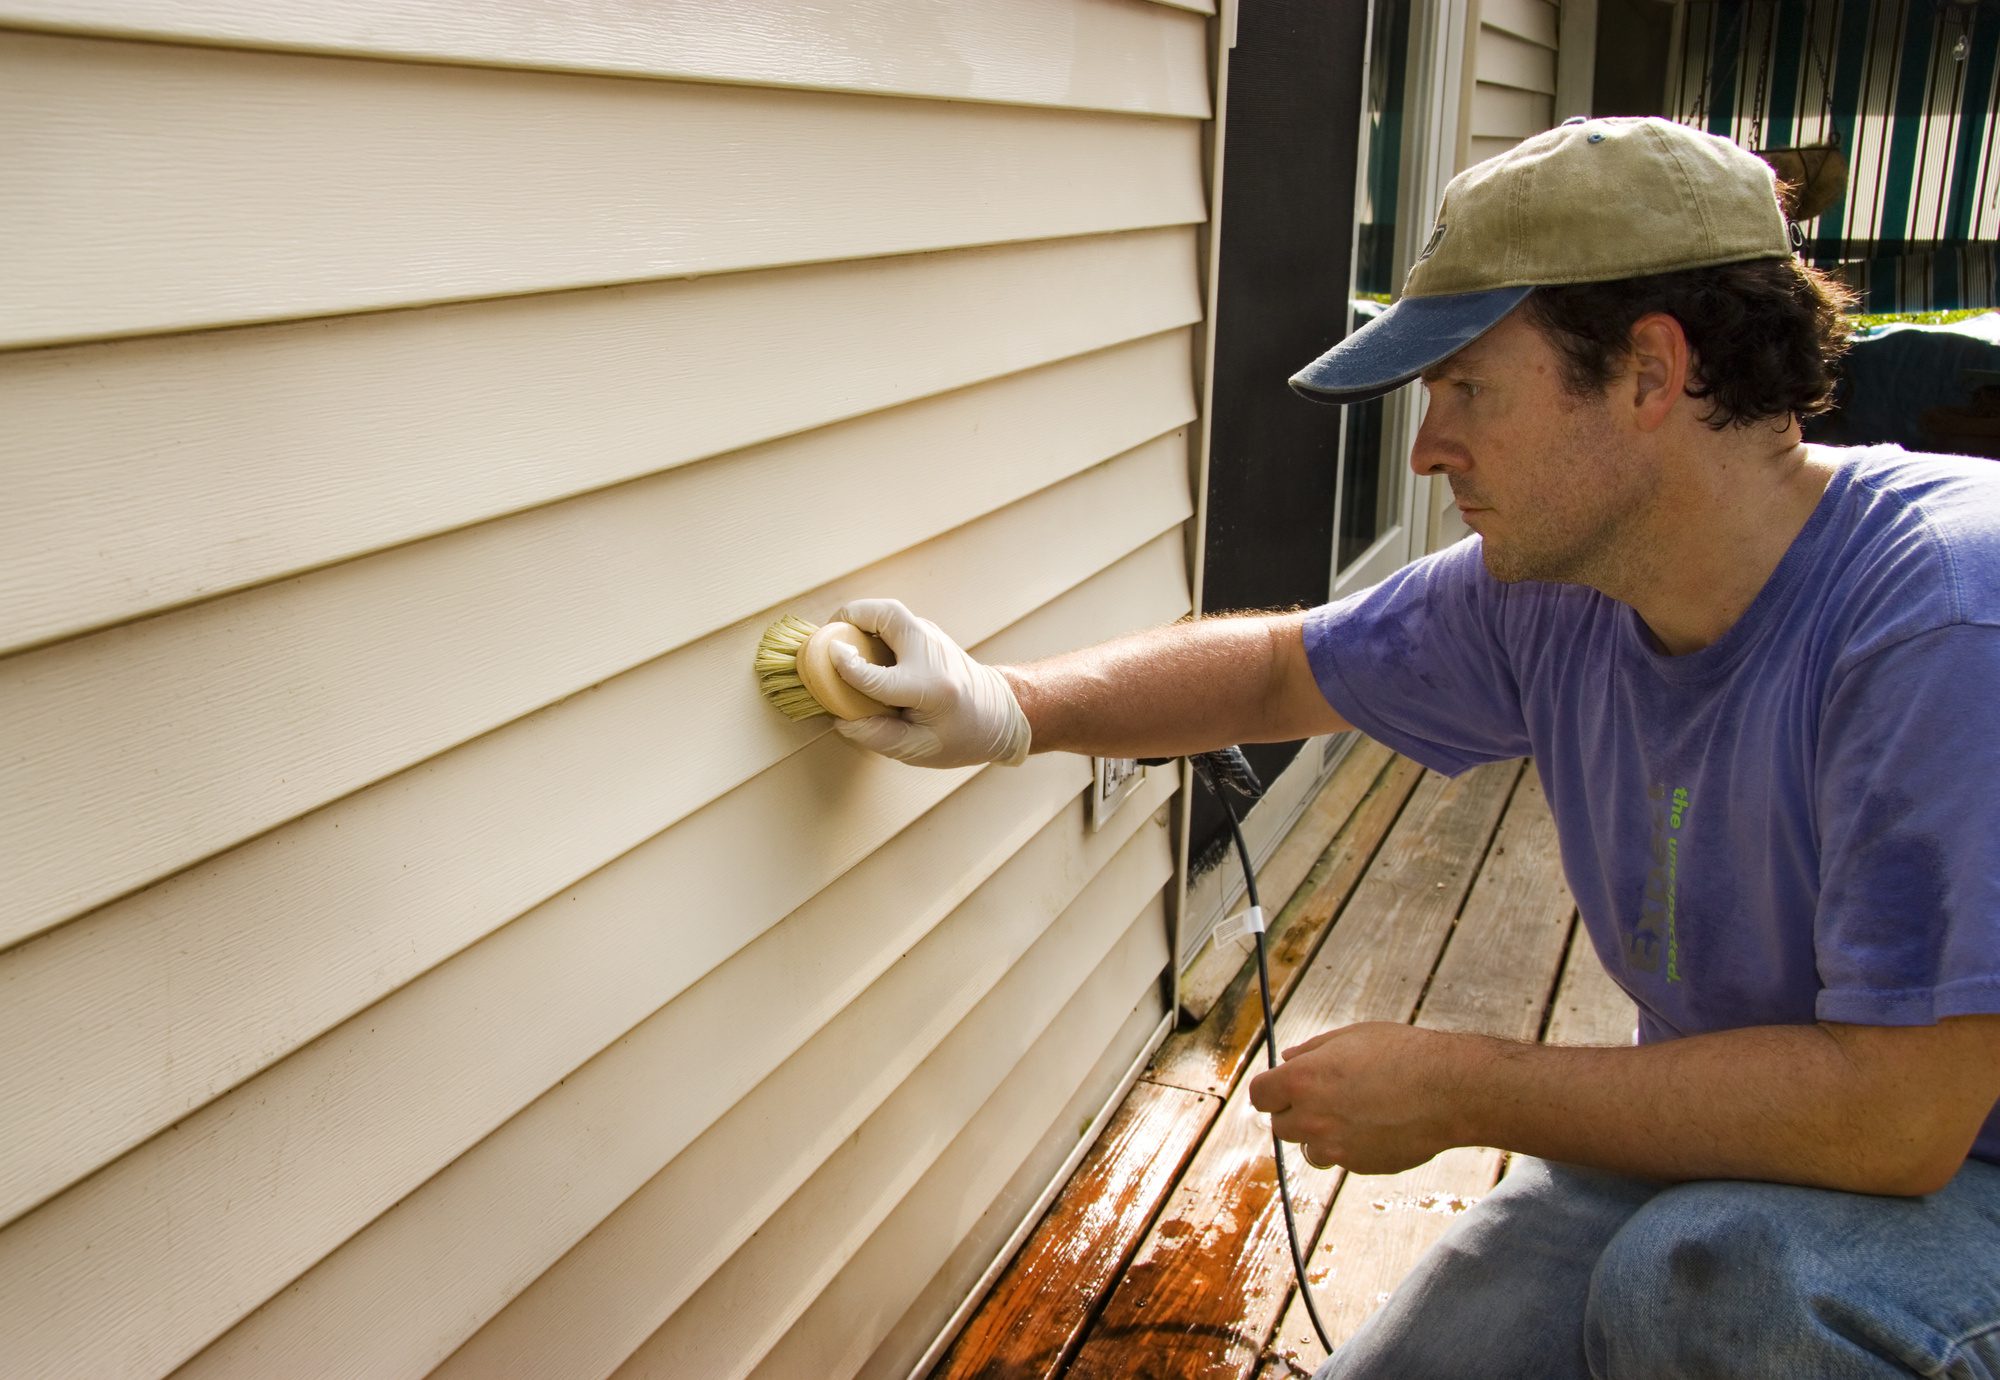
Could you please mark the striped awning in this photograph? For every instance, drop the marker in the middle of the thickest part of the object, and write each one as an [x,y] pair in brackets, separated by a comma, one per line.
[1906,89]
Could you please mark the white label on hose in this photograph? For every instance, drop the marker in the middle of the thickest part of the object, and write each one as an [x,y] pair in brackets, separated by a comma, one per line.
[1244,922]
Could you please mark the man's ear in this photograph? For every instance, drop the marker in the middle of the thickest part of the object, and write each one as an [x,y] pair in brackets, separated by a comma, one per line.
[1658,367]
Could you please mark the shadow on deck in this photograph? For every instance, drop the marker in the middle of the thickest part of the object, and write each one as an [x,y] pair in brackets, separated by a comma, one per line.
[1435,901]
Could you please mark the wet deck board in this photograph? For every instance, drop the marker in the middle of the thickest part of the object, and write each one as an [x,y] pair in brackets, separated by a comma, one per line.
[1210,1057]
[1495,978]
[1206,1288]
[1379,1226]
[1217,1249]
[1035,1315]
[1446,905]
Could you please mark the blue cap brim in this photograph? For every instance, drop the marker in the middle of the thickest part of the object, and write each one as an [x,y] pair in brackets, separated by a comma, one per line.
[1402,342]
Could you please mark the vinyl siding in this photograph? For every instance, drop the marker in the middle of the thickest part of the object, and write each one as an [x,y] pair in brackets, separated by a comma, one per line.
[1076,54]
[424,947]
[303,186]
[1012,1209]
[246,711]
[1513,66]
[549,397]
[841,1326]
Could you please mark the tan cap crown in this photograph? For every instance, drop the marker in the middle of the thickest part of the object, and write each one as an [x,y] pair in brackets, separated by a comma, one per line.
[1595,200]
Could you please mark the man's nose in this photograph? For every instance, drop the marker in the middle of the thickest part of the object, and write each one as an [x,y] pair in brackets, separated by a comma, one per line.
[1435,452]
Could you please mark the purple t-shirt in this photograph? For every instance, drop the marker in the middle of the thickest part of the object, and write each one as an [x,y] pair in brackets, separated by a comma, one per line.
[1800,822]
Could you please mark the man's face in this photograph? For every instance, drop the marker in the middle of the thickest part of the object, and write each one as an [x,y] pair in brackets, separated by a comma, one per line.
[1553,488]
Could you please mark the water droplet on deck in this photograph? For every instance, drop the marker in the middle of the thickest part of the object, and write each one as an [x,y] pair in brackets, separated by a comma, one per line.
[1430,1201]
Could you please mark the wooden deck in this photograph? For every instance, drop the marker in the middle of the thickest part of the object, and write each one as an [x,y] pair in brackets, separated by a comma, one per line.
[1435,901]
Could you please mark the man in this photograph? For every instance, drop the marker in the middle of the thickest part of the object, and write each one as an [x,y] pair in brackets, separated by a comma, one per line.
[1761,684]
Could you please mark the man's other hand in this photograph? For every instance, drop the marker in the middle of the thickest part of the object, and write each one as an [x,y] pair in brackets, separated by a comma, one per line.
[1374,1098]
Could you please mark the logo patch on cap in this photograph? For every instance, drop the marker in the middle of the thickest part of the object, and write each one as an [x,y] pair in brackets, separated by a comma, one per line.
[1431,244]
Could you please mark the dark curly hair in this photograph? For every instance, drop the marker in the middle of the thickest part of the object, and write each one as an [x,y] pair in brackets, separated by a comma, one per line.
[1767,334]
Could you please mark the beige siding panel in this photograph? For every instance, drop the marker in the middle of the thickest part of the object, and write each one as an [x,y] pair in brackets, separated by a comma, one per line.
[1016,1207]
[1095,54]
[1499,112]
[1533,20]
[152,745]
[673,1254]
[1515,62]
[140,1265]
[400,1295]
[143,1262]
[479,410]
[1482,148]
[221,970]
[853,1314]
[151,188]
[1197,6]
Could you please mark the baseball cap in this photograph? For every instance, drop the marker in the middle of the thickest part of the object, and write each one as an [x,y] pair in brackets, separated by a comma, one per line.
[1589,201]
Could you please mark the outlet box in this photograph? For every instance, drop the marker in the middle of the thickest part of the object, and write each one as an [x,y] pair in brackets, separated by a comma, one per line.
[1113,779]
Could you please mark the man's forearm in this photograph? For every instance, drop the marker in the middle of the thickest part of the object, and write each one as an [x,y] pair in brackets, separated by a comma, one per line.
[1790,1104]
[1187,687]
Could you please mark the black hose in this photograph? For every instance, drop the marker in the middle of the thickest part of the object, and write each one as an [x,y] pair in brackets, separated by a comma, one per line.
[1229,767]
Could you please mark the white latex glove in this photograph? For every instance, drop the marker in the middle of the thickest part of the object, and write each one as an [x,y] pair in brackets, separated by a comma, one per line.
[955,712]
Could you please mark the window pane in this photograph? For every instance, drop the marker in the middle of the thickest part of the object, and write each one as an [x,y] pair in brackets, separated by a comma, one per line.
[1370,490]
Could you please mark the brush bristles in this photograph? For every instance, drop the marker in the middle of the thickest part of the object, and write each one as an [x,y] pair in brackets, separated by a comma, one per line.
[777,666]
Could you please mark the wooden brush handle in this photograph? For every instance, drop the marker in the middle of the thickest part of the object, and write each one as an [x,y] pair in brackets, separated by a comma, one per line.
[816,671]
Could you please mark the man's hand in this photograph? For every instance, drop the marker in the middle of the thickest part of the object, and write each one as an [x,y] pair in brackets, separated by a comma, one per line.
[955,712]
[1376,1098]
[1864,1109]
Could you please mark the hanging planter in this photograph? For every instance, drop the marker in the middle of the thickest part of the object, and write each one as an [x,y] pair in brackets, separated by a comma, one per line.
[1810,179]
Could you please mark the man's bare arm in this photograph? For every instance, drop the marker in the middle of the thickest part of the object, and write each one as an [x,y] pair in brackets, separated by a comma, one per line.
[1867,1109]
[1187,687]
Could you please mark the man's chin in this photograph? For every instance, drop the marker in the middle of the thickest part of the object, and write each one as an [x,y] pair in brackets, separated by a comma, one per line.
[1513,567]
[1502,565]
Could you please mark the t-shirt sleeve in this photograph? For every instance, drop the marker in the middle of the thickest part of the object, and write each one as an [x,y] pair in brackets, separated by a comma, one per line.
[1418,663]
[1908,799]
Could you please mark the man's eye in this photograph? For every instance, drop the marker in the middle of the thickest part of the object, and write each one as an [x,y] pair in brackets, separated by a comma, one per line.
[1468,389]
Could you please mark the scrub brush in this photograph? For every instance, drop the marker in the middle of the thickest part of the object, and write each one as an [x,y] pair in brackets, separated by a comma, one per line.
[795,669]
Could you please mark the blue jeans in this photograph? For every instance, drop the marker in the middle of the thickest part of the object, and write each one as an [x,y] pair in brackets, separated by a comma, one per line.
[1567,1272]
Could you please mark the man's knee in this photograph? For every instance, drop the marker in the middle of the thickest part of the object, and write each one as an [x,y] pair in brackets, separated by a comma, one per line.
[1691,1283]
[1502,1293]
[1732,1278]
